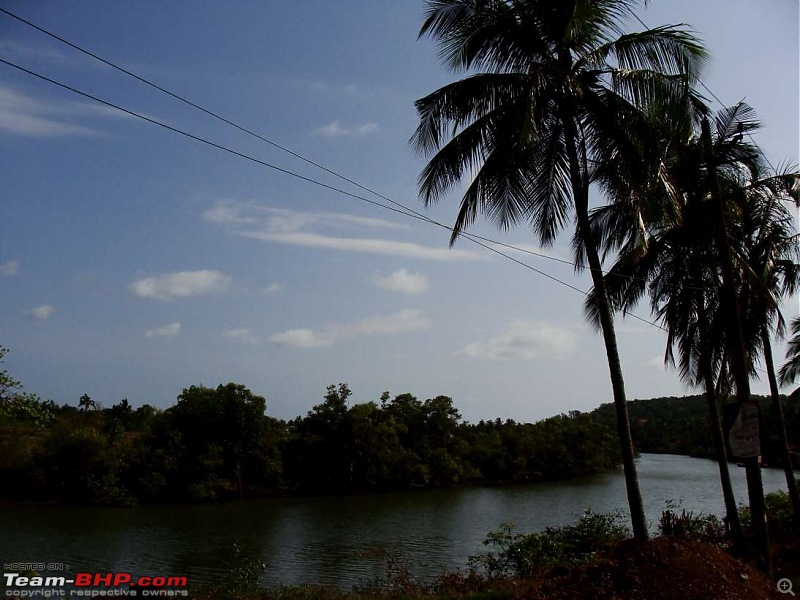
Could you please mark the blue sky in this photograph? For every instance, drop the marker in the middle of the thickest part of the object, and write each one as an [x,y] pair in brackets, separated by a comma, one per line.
[135,262]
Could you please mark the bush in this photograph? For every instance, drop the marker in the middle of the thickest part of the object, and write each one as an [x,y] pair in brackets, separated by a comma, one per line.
[241,580]
[692,526]
[521,555]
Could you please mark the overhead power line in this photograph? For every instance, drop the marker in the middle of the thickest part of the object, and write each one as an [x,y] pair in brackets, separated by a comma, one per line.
[398,208]
[283,148]
[285,171]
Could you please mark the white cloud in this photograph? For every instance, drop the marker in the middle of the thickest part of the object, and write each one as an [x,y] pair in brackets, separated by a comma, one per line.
[227,215]
[365,245]
[274,288]
[243,335]
[9,268]
[170,330]
[310,230]
[302,338]
[399,322]
[525,340]
[21,114]
[40,312]
[403,281]
[272,219]
[336,130]
[180,285]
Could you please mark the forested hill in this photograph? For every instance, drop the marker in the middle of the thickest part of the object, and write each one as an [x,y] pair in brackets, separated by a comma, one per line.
[681,425]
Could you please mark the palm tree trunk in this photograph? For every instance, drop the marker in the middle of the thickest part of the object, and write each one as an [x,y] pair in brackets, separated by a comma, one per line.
[791,483]
[580,193]
[755,486]
[731,511]
[635,503]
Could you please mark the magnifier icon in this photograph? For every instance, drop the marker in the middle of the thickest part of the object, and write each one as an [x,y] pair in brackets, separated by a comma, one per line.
[785,586]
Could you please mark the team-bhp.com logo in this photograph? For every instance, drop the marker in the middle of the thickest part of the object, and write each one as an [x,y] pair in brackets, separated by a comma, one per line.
[93,585]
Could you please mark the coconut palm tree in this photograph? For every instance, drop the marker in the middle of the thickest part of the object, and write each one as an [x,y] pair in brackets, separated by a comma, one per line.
[790,370]
[768,258]
[555,89]
[677,260]
[672,258]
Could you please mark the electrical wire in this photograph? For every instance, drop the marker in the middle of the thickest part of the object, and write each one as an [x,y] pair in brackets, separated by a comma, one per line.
[305,159]
[284,171]
[398,208]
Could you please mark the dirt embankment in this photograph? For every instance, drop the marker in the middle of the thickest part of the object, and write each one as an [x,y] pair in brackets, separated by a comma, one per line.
[660,569]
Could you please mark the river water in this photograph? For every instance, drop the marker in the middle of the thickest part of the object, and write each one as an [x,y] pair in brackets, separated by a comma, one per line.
[346,541]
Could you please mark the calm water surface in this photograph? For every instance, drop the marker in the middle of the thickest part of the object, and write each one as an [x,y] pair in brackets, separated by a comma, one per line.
[345,541]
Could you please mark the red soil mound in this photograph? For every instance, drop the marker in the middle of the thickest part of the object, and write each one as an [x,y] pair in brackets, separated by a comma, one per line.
[660,569]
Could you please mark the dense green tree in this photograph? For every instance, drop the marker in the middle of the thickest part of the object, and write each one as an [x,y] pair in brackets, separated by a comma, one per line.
[220,438]
[218,443]
[558,91]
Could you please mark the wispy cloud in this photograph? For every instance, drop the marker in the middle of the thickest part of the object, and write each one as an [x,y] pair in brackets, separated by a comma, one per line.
[302,338]
[399,322]
[24,115]
[40,313]
[181,284]
[242,335]
[227,215]
[170,330]
[229,212]
[404,282]
[335,129]
[365,245]
[316,230]
[274,288]
[10,268]
[525,340]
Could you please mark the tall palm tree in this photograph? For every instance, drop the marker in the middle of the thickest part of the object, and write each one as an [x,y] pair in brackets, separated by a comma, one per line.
[671,256]
[678,260]
[556,89]
[769,256]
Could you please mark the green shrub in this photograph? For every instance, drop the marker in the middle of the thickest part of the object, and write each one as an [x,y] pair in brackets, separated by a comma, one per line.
[241,581]
[692,526]
[518,554]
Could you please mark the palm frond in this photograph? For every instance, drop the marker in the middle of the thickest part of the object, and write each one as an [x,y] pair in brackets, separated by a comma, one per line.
[668,50]
[457,104]
[480,34]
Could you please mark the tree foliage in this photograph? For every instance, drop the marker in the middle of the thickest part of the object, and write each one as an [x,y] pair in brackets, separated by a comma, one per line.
[219,443]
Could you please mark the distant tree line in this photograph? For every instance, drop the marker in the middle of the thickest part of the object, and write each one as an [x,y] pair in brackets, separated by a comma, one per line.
[216,444]
[681,425]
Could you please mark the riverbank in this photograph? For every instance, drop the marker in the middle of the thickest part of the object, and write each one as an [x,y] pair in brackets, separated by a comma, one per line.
[660,569]
[589,559]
